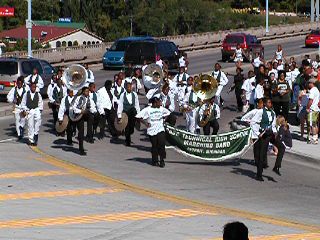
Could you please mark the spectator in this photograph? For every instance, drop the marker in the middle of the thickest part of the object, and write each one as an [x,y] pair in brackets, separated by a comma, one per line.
[235,231]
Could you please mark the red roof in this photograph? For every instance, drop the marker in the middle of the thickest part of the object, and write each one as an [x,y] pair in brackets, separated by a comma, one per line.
[37,31]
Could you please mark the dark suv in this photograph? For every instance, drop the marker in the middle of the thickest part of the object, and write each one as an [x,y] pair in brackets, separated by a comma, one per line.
[249,43]
[12,68]
[138,52]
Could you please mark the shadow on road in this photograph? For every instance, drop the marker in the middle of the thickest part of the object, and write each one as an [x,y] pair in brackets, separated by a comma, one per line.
[225,163]
[141,160]
[250,174]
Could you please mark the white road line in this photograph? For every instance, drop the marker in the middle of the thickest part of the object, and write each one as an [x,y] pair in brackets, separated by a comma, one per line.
[6,140]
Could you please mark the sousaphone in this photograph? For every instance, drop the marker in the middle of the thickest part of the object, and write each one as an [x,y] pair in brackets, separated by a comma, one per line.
[205,86]
[152,76]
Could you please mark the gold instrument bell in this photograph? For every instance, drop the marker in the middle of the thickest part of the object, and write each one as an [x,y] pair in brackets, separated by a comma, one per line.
[205,86]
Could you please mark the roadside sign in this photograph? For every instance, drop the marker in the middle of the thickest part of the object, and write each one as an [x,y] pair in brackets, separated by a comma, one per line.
[65,20]
[6,12]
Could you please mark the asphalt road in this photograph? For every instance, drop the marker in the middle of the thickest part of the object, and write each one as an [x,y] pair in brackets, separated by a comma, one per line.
[114,192]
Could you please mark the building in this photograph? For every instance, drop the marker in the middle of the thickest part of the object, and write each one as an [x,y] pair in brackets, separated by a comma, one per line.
[54,36]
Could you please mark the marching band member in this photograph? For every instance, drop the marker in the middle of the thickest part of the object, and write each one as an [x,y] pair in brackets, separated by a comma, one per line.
[58,92]
[181,81]
[279,53]
[15,96]
[222,79]
[50,89]
[83,104]
[106,101]
[116,91]
[97,101]
[128,103]
[248,91]
[32,104]
[191,103]
[34,78]
[211,111]
[263,126]
[136,84]
[168,102]
[183,61]
[90,76]
[256,62]
[64,108]
[154,116]
[259,90]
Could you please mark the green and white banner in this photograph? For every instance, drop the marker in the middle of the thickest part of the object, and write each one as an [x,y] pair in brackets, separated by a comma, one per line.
[211,148]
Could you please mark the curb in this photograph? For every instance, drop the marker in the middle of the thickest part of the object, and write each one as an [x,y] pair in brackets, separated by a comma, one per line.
[306,158]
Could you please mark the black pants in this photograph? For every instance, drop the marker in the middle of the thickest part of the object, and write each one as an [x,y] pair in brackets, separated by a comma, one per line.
[239,100]
[281,150]
[109,116]
[80,126]
[281,108]
[55,110]
[158,147]
[96,121]
[70,129]
[261,149]
[215,127]
[131,123]
[89,118]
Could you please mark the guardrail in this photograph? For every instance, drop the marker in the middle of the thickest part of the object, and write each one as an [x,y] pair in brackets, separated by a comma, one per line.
[188,42]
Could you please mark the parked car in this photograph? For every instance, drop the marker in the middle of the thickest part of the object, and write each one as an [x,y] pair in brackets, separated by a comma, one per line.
[12,68]
[249,44]
[114,56]
[138,52]
[313,38]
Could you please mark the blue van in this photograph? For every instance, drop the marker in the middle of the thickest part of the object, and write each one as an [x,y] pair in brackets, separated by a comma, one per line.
[114,57]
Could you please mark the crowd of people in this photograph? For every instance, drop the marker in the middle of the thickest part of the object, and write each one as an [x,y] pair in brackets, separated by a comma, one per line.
[266,95]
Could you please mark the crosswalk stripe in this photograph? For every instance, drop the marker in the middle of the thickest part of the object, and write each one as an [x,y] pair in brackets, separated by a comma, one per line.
[78,192]
[300,236]
[32,174]
[114,217]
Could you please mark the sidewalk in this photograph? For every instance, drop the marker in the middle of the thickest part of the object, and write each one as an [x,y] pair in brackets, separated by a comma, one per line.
[311,152]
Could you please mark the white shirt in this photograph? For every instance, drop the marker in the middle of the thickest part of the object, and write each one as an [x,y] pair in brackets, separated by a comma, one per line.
[256,62]
[98,104]
[249,115]
[180,76]
[259,92]
[24,101]
[129,98]
[160,63]
[187,98]
[238,53]
[90,79]
[289,78]
[164,99]
[279,55]
[256,120]
[155,117]
[248,86]
[182,62]
[77,109]
[214,105]
[50,88]
[295,73]
[40,83]
[64,90]
[314,95]
[104,98]
[130,79]
[62,108]
[275,71]
[223,79]
[280,67]
[11,95]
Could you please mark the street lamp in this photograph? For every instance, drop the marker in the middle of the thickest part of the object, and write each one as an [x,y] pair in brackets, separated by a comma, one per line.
[267,16]
[29,27]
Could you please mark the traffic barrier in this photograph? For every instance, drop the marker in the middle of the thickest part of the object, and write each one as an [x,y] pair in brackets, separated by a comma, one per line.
[189,42]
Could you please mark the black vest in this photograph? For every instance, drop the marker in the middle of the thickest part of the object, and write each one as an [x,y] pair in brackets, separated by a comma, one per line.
[17,97]
[126,105]
[32,104]
[67,105]
[57,96]
[116,93]
[35,81]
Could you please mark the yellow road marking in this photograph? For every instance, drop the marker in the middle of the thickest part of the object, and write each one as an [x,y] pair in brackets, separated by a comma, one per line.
[300,236]
[89,174]
[32,174]
[79,192]
[116,217]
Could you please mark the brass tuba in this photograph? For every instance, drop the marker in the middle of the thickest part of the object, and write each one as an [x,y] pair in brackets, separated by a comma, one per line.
[205,86]
[152,76]
[75,78]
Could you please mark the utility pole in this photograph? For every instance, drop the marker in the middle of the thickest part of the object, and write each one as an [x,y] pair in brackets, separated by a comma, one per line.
[29,27]
[131,25]
[267,16]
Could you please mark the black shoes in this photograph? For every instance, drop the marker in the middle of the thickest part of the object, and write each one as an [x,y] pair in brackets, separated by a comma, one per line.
[82,153]
[276,170]
[259,178]
[35,139]
[162,164]
[155,163]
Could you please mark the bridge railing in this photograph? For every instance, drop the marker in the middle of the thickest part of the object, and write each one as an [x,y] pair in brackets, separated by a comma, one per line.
[187,42]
